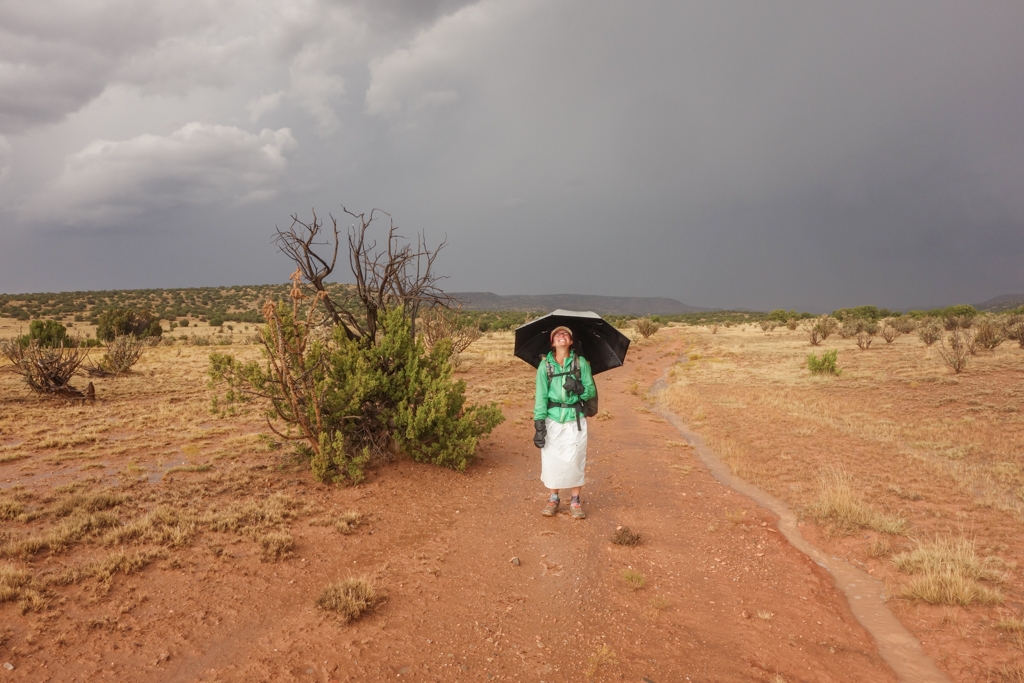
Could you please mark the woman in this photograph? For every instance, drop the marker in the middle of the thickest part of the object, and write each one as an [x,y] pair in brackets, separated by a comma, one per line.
[564,381]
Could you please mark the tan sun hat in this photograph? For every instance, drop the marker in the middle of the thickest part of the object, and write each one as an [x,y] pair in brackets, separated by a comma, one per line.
[560,328]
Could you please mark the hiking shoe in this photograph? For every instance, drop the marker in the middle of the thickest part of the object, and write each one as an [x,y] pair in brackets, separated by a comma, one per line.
[551,509]
[577,511]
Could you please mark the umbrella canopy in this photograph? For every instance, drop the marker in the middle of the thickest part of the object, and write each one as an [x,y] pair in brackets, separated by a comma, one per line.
[593,337]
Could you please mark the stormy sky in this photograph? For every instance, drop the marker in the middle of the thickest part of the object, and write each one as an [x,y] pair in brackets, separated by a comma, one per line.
[805,155]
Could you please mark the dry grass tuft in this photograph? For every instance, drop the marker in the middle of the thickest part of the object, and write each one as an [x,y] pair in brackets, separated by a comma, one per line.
[276,545]
[121,561]
[765,614]
[625,536]
[1011,625]
[634,578]
[845,512]
[348,522]
[879,547]
[603,415]
[1010,673]
[87,502]
[165,525]
[604,656]
[60,537]
[10,509]
[660,603]
[351,598]
[947,571]
[19,585]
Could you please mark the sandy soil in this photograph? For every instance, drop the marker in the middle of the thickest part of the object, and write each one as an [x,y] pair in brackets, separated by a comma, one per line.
[724,599]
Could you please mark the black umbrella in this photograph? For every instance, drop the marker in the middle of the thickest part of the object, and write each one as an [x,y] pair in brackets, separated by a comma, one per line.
[594,338]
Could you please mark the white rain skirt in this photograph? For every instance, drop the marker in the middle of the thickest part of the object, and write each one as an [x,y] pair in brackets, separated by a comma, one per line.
[564,456]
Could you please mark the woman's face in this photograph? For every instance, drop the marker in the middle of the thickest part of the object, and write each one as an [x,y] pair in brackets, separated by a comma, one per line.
[561,339]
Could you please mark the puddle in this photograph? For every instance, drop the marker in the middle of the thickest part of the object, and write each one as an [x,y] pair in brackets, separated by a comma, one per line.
[865,595]
[156,474]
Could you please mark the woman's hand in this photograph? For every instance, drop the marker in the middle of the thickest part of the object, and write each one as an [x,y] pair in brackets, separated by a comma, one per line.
[541,433]
[572,386]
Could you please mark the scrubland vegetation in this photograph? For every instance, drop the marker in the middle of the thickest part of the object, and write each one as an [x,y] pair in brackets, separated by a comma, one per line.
[896,437]
[908,462]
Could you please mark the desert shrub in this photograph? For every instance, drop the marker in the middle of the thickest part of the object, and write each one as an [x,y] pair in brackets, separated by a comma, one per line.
[1015,329]
[714,328]
[863,313]
[123,321]
[351,598]
[850,327]
[813,333]
[625,536]
[958,317]
[819,329]
[183,322]
[889,332]
[47,333]
[122,353]
[647,327]
[46,370]
[864,341]
[989,333]
[905,324]
[956,349]
[825,365]
[351,403]
[929,331]
[791,324]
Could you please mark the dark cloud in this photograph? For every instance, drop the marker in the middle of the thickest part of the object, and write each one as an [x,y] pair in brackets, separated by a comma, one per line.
[724,154]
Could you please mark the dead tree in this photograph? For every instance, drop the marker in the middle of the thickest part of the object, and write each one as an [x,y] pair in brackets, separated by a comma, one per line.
[396,274]
[47,371]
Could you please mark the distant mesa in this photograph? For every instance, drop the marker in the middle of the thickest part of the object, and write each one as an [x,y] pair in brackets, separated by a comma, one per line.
[605,305]
[1003,302]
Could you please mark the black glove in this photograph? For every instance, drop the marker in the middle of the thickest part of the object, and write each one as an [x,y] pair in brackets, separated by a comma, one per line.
[541,434]
[571,385]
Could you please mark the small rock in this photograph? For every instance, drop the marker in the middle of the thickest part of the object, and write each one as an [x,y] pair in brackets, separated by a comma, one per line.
[404,670]
[309,671]
[515,561]
[8,666]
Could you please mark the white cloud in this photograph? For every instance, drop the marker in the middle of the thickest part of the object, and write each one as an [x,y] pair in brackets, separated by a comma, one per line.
[198,165]
[427,73]
[56,56]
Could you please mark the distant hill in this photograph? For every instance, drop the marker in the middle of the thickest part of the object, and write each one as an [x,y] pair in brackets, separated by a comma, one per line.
[605,305]
[1003,302]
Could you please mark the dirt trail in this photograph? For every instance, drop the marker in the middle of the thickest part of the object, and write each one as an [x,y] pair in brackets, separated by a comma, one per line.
[726,598]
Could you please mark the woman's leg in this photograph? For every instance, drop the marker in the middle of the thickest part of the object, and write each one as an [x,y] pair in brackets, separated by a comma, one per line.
[574,505]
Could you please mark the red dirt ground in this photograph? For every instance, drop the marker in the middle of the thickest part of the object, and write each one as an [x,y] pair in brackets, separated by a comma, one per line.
[725,599]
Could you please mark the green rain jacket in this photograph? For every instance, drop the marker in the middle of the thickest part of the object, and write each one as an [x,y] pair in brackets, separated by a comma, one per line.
[553,390]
